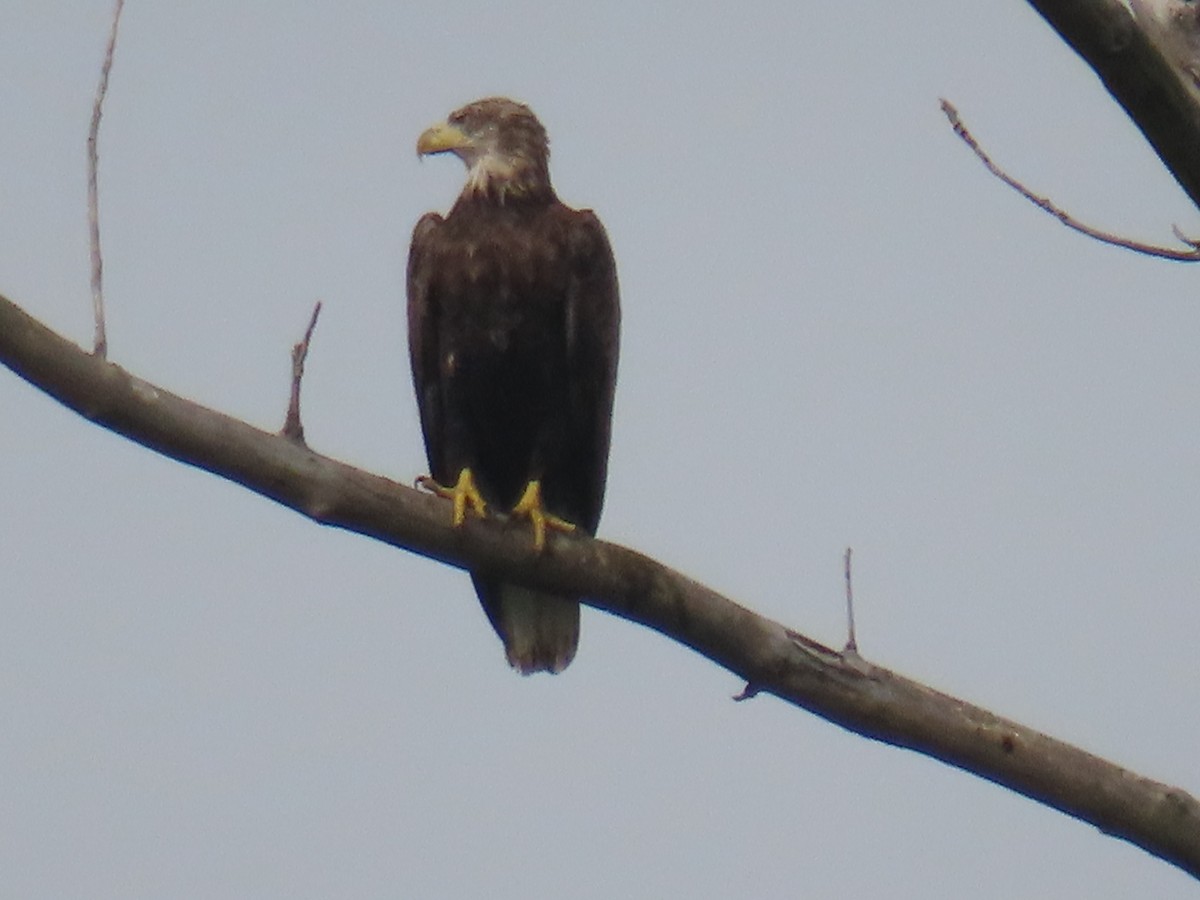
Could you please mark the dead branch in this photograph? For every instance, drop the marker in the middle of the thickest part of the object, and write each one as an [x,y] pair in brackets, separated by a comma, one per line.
[1153,92]
[851,637]
[841,687]
[100,342]
[292,428]
[1044,203]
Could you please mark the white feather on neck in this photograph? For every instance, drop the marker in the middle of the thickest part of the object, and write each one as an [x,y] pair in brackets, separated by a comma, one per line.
[493,175]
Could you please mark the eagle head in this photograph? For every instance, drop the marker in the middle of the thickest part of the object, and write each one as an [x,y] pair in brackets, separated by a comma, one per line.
[502,143]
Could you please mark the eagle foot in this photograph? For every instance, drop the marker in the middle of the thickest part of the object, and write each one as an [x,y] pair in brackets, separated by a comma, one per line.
[464,495]
[530,507]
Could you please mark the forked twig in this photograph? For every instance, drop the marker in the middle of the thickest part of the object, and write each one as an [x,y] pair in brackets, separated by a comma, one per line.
[1190,255]
[100,341]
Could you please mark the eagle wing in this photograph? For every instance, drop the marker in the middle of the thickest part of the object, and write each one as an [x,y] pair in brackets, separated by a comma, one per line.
[423,338]
[593,319]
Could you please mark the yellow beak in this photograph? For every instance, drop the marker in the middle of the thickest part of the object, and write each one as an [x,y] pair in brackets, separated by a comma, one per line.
[440,138]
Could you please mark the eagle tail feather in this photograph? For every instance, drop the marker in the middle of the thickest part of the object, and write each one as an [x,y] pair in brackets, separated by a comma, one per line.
[540,631]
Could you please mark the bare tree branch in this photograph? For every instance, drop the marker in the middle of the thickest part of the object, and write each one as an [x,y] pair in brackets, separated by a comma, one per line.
[1044,203]
[293,429]
[851,637]
[100,342]
[839,686]
[1137,74]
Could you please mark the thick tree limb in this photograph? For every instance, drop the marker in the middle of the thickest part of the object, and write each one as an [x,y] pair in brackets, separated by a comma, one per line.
[839,686]
[1134,70]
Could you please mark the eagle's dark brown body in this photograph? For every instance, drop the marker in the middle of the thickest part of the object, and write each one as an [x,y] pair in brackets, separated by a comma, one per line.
[513,330]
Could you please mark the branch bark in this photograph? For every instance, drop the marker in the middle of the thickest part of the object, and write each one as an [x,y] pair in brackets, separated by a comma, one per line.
[1138,76]
[841,687]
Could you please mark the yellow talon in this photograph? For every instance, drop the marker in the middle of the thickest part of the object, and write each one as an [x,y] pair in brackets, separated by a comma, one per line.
[530,507]
[464,494]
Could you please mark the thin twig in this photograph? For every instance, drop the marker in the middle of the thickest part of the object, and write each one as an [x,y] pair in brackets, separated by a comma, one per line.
[100,342]
[1190,255]
[749,692]
[851,639]
[292,428]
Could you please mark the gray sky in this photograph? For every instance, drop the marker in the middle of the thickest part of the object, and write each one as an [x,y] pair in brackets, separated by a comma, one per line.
[838,330]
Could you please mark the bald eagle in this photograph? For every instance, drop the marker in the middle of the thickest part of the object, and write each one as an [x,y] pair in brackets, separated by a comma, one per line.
[513,323]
